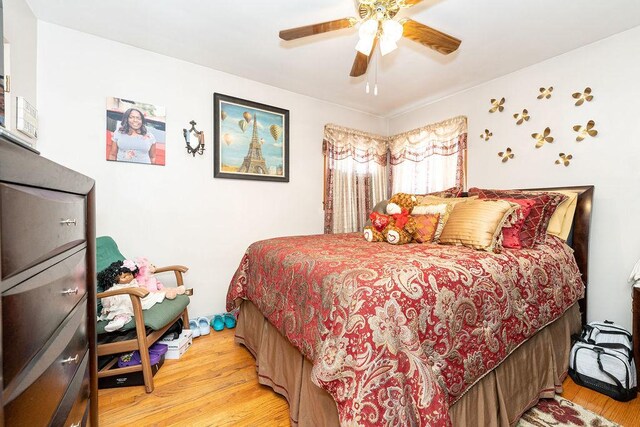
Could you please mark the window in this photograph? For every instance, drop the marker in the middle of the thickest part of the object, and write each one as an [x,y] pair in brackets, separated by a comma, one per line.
[430,158]
[362,169]
[355,177]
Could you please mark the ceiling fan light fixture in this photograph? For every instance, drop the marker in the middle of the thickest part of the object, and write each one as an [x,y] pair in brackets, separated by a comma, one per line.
[365,45]
[392,30]
[367,32]
[387,45]
[368,29]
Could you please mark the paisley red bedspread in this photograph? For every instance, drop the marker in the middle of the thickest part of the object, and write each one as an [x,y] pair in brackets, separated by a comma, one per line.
[396,334]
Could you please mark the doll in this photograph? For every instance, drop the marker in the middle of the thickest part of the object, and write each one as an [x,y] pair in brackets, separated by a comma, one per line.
[118,309]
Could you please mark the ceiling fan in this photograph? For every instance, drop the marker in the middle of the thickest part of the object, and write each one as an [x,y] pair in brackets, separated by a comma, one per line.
[379,28]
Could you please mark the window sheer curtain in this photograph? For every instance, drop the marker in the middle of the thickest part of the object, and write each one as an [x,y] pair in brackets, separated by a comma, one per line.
[430,158]
[356,177]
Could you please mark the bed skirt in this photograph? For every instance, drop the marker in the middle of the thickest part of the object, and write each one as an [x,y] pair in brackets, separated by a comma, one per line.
[534,370]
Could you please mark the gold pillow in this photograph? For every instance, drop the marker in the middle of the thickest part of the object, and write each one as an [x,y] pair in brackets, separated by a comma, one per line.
[444,208]
[477,223]
[562,218]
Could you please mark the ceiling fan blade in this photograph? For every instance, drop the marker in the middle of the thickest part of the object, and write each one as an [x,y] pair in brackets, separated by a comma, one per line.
[430,37]
[361,62]
[323,27]
[408,3]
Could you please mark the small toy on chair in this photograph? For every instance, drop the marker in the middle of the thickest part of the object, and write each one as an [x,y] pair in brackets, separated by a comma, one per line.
[148,280]
[118,309]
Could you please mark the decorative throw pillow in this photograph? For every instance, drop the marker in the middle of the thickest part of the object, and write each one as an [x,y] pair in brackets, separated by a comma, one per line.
[511,234]
[440,210]
[534,230]
[449,204]
[562,219]
[448,193]
[478,224]
[426,226]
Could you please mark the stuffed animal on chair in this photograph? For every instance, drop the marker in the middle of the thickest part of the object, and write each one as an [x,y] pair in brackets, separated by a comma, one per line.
[148,280]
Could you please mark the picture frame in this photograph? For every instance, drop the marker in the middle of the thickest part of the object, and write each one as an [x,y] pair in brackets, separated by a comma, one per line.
[251,140]
[135,132]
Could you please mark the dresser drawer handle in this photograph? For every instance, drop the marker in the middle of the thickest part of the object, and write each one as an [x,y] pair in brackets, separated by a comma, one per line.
[68,222]
[70,291]
[73,359]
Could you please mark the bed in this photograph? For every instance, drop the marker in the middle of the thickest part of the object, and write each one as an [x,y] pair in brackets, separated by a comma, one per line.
[355,333]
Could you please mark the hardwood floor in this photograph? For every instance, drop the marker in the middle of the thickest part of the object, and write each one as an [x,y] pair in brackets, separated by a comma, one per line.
[215,384]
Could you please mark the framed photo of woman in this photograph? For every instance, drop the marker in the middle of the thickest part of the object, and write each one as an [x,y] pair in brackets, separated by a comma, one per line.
[136,132]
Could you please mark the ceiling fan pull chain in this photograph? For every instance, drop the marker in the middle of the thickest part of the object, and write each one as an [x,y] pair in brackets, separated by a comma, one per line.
[375,86]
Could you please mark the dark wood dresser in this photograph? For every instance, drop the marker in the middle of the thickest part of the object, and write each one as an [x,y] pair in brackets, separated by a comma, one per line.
[47,278]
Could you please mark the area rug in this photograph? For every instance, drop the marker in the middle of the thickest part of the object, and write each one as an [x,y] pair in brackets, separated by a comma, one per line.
[559,412]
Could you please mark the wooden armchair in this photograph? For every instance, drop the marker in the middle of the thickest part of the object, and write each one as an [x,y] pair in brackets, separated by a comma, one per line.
[145,328]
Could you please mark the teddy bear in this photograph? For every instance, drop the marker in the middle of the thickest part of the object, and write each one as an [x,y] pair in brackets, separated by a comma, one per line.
[403,226]
[147,280]
[374,232]
[397,226]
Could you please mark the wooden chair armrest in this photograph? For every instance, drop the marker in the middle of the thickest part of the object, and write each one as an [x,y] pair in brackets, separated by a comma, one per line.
[177,269]
[180,268]
[138,292]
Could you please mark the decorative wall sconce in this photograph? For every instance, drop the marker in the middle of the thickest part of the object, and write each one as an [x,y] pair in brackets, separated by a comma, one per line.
[543,137]
[191,136]
[583,132]
[486,135]
[497,105]
[545,93]
[564,159]
[584,96]
[506,155]
[521,117]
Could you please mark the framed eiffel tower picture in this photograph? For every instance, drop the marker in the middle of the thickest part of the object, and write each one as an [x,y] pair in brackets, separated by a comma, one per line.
[251,140]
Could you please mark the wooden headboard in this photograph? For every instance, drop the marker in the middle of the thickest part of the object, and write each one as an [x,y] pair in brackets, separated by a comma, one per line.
[579,237]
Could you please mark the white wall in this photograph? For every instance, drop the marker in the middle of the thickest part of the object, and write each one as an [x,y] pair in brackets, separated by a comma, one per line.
[178,214]
[20,30]
[611,161]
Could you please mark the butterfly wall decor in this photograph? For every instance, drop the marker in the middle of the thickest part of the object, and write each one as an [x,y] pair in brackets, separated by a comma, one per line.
[521,117]
[497,105]
[564,159]
[506,155]
[543,137]
[545,93]
[486,135]
[585,131]
[581,97]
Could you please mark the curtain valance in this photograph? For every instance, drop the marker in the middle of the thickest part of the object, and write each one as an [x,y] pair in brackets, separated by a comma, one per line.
[443,138]
[340,143]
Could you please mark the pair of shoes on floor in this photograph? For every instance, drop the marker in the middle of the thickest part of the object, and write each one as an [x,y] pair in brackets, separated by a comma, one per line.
[220,321]
[199,326]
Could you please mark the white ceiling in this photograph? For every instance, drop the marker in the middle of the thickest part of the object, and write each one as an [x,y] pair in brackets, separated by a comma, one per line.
[241,38]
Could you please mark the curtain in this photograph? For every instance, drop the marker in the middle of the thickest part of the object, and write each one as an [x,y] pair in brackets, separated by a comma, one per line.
[430,158]
[356,177]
